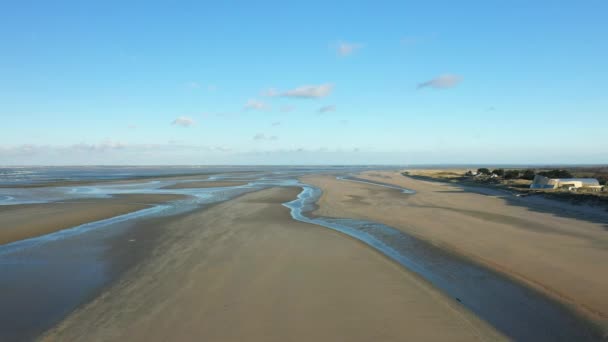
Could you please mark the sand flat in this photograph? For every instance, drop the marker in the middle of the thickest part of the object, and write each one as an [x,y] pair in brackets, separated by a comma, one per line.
[204,184]
[243,270]
[24,221]
[562,256]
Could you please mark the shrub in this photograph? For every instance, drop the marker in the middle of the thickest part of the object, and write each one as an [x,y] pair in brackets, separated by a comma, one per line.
[556,174]
[528,174]
[499,172]
[483,170]
[512,174]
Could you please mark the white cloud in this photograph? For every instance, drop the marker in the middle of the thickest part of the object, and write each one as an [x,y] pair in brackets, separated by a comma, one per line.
[310,91]
[346,49]
[105,145]
[183,121]
[442,82]
[263,137]
[326,109]
[111,152]
[305,91]
[256,105]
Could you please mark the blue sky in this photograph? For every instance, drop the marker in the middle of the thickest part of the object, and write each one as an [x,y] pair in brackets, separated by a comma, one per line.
[309,82]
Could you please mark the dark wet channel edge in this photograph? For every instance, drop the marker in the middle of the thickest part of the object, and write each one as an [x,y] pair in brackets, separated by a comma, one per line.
[521,313]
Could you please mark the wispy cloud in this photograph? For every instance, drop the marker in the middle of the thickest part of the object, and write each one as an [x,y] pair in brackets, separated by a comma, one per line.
[442,82]
[270,92]
[305,91]
[193,85]
[344,49]
[287,108]
[263,137]
[409,41]
[89,153]
[105,145]
[328,108]
[183,121]
[198,85]
[310,91]
[276,123]
[256,105]
[418,39]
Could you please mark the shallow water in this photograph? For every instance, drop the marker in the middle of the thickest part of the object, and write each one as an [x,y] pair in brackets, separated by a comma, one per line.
[19,176]
[73,276]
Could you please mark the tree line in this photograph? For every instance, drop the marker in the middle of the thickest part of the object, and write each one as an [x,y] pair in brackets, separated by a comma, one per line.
[527,174]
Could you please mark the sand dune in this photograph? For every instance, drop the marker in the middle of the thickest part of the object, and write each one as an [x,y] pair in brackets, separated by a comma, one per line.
[243,270]
[558,254]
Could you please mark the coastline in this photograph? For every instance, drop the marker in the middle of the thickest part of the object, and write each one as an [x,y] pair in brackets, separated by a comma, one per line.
[134,244]
[581,201]
[486,230]
[246,260]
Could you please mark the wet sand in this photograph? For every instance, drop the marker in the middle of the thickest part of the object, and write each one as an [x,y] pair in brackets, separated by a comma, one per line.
[203,184]
[129,180]
[563,257]
[244,270]
[24,221]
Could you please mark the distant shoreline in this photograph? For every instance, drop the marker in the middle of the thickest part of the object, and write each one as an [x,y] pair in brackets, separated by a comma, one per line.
[592,200]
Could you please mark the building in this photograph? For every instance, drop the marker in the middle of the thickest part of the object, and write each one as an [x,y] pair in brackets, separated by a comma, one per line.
[542,182]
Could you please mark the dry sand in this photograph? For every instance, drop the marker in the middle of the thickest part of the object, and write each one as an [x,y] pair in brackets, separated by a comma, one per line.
[536,243]
[244,270]
[24,221]
[204,184]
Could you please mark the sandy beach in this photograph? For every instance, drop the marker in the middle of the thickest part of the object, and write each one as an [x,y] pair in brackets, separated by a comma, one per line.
[244,270]
[552,247]
[24,221]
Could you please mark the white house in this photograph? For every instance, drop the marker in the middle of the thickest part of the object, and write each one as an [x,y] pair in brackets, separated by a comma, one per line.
[542,182]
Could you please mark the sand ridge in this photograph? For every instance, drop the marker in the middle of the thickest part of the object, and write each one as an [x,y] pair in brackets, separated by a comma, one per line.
[562,256]
[244,270]
[22,221]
